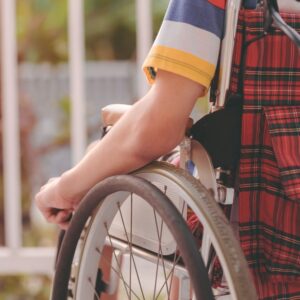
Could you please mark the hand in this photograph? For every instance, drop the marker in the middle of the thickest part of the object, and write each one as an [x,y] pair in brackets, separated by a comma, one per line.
[54,207]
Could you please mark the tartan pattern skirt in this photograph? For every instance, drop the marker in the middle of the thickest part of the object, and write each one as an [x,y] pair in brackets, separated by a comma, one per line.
[269,171]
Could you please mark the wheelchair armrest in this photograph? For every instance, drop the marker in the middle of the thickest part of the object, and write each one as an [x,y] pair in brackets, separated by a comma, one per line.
[110,114]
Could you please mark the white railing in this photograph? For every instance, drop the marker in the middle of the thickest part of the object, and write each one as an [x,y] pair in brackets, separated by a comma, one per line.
[77,86]
[105,81]
[14,258]
[10,118]
[144,39]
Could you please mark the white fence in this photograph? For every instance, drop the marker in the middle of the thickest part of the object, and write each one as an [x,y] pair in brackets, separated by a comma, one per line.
[45,91]
[14,258]
[104,81]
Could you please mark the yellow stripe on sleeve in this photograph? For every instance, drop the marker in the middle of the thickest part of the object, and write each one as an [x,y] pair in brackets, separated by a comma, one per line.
[178,62]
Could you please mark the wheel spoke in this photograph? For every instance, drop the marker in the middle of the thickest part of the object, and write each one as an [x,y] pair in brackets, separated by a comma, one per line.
[130,248]
[118,272]
[130,244]
[159,234]
[168,276]
[118,264]
[157,266]
[183,207]
[205,247]
[94,290]
[172,270]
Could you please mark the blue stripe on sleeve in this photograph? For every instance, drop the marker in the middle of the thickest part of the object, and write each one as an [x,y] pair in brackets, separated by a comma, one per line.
[199,13]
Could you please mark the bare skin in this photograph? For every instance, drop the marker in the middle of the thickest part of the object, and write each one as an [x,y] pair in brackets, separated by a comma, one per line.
[151,128]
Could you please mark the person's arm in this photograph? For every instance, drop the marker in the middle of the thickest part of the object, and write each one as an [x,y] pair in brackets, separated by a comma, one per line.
[151,128]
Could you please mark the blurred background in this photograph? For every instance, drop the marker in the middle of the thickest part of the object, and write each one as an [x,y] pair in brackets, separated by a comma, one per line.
[111,67]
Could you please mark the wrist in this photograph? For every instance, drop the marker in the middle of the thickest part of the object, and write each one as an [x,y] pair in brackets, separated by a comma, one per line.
[69,187]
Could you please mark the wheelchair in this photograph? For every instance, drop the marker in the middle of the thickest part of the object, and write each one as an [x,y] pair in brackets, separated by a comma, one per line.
[167,235]
[142,217]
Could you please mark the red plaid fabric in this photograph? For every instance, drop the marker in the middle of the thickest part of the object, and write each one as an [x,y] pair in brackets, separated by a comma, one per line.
[269,182]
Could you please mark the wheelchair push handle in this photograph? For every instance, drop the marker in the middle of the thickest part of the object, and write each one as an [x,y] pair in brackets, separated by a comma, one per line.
[271,16]
[226,52]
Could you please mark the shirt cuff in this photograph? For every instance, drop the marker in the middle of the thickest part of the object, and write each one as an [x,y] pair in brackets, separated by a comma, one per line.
[180,63]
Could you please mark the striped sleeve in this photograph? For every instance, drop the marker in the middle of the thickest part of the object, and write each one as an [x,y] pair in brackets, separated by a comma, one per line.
[188,41]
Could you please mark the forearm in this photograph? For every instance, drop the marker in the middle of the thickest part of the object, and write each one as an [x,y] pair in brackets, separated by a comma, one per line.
[112,155]
[128,146]
[151,128]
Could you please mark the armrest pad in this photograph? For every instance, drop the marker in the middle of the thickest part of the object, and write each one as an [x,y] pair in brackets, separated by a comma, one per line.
[110,114]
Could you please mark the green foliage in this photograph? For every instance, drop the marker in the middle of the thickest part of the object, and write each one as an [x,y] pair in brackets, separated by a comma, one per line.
[65,109]
[109,29]
[24,288]
[42,30]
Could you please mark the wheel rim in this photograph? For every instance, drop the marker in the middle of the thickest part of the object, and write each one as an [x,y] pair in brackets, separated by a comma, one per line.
[87,272]
[218,230]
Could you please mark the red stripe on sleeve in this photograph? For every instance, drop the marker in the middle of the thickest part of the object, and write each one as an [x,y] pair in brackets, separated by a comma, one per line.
[218,3]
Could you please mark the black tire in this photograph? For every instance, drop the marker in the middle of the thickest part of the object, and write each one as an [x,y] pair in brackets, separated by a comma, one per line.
[96,200]
[179,184]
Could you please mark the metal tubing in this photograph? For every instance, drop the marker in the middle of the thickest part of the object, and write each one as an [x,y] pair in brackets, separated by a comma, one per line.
[231,18]
[179,270]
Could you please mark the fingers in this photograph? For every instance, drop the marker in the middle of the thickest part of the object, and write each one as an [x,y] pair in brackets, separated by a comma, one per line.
[58,216]
[64,226]
[61,218]
[66,217]
[55,208]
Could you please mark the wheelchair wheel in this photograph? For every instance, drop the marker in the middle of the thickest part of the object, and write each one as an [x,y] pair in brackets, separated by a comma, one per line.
[170,251]
[219,248]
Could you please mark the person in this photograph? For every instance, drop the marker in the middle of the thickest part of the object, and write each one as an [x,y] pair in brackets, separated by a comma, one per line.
[180,66]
